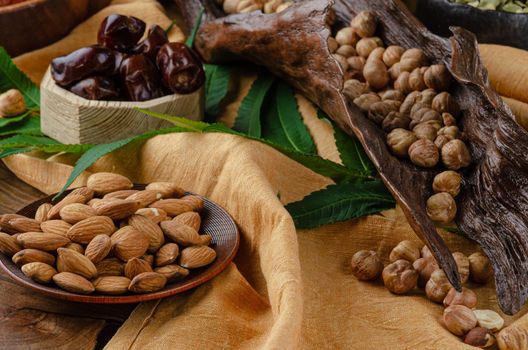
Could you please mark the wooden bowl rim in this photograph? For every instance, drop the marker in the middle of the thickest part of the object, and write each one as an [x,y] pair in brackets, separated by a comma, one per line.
[202,276]
[49,84]
[481,11]
[21,6]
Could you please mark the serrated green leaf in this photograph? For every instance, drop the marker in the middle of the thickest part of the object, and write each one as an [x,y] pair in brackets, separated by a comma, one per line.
[216,88]
[73,148]
[340,202]
[271,127]
[12,151]
[28,126]
[190,40]
[13,78]
[192,125]
[291,121]
[22,141]
[248,116]
[7,121]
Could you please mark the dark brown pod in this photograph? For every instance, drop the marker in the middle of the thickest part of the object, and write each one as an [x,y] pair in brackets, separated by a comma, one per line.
[181,69]
[96,88]
[141,78]
[156,38]
[86,61]
[121,33]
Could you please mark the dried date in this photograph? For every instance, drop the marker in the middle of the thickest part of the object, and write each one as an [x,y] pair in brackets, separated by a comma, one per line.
[96,88]
[155,39]
[141,78]
[120,33]
[180,67]
[86,61]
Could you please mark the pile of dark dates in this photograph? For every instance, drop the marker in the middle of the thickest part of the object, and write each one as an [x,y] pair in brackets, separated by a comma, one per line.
[120,67]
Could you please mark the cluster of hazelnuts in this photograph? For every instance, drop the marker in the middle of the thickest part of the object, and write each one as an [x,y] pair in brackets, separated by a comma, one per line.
[243,6]
[405,96]
[411,267]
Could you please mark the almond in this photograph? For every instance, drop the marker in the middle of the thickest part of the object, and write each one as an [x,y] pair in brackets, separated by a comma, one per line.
[58,227]
[148,258]
[118,208]
[75,246]
[84,231]
[79,195]
[153,231]
[97,202]
[197,256]
[42,240]
[154,214]
[110,267]
[8,244]
[129,243]
[73,213]
[73,283]
[145,197]
[39,272]
[167,254]
[195,201]
[135,266]
[27,256]
[172,206]
[190,218]
[71,261]
[205,239]
[25,225]
[103,183]
[123,194]
[85,192]
[181,234]
[147,282]
[42,212]
[4,222]
[98,248]
[172,272]
[112,285]
[167,189]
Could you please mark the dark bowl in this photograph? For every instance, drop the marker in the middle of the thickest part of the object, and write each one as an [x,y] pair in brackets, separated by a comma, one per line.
[215,221]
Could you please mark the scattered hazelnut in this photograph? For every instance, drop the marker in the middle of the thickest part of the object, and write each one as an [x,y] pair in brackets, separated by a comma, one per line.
[366,265]
[455,155]
[354,88]
[424,115]
[375,73]
[394,71]
[426,253]
[445,103]
[427,96]
[356,63]
[451,132]
[392,94]
[342,61]
[377,54]
[441,208]
[425,268]
[514,336]
[346,36]
[395,120]
[392,55]
[346,51]
[271,6]
[247,6]
[416,80]
[406,250]
[230,6]
[411,59]
[447,181]
[365,46]
[448,119]
[467,298]
[437,77]
[364,24]
[489,319]
[402,83]
[12,103]
[480,337]
[462,262]
[379,110]
[459,319]
[400,277]
[480,269]
[365,101]
[283,6]
[437,287]
[399,141]
[424,153]
[425,131]
[333,45]
[408,103]
[441,140]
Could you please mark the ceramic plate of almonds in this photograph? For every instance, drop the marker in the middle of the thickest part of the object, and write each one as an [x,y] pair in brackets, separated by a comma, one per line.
[117,242]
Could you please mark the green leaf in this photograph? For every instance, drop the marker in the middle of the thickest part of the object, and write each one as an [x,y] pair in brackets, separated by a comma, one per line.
[340,202]
[29,126]
[248,117]
[13,78]
[291,120]
[19,141]
[73,148]
[190,40]
[12,151]
[7,121]
[169,28]
[271,127]
[216,88]
[191,125]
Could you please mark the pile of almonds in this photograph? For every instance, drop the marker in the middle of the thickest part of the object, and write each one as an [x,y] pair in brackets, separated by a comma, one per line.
[109,238]
[411,267]
[408,98]
[243,6]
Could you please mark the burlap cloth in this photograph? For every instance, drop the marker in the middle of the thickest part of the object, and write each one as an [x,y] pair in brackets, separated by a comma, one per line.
[287,288]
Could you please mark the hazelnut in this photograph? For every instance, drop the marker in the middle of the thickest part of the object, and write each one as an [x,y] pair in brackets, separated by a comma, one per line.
[411,59]
[424,115]
[12,103]
[366,100]
[377,54]
[441,208]
[444,102]
[467,298]
[283,6]
[448,119]
[346,51]
[424,153]
[480,337]
[427,96]
[364,24]
[462,262]
[366,45]
[406,250]
[441,140]
[416,80]
[514,336]
[399,141]
[402,83]
[333,45]
[400,277]
[437,77]
[342,61]
[425,131]
[353,88]
[455,155]
[366,265]
[271,6]
[408,103]
[394,71]
[480,269]
[450,131]
[375,73]
[379,110]
[395,120]
[425,268]
[392,55]
[391,94]
[346,36]
[459,319]
[356,63]
[230,6]
[247,6]
[426,253]
[447,181]
[437,287]
[489,319]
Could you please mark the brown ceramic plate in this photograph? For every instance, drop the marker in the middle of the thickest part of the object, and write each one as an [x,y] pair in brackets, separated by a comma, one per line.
[215,221]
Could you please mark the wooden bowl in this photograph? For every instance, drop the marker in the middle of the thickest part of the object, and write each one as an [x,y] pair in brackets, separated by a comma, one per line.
[71,119]
[493,27]
[32,24]
[215,221]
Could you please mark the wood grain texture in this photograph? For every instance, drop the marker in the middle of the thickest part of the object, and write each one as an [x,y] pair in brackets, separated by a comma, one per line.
[69,118]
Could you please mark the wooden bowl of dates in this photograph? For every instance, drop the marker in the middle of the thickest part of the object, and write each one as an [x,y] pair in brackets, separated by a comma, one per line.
[490,26]
[30,24]
[214,220]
